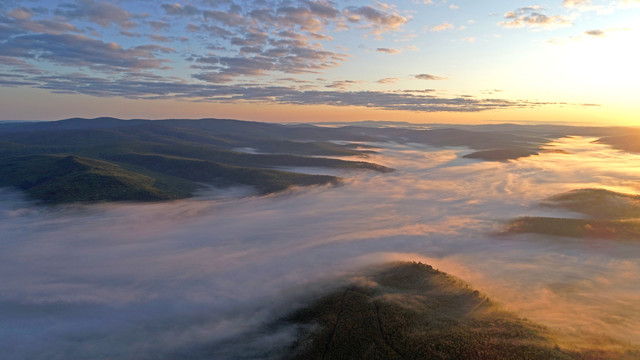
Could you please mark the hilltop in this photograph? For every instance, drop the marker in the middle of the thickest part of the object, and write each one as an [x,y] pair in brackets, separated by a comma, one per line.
[148,160]
[406,310]
[108,159]
[610,215]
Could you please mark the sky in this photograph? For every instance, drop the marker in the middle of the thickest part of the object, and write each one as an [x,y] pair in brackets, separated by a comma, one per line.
[310,61]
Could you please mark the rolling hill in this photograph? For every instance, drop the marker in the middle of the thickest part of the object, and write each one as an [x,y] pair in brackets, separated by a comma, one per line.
[175,156]
[610,215]
[412,311]
[107,159]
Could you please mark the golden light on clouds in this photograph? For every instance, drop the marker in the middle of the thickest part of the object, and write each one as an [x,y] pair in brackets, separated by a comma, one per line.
[311,61]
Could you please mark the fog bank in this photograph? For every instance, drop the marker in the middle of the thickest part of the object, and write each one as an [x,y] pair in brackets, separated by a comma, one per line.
[167,280]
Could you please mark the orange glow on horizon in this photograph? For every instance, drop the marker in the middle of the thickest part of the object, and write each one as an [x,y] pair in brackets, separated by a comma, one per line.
[61,106]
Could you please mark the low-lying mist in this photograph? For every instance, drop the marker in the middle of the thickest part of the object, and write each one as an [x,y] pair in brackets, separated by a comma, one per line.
[153,281]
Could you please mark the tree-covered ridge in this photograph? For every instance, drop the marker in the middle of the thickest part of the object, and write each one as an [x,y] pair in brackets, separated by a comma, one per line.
[68,178]
[163,149]
[107,159]
[577,228]
[598,203]
[610,215]
[412,311]
[628,141]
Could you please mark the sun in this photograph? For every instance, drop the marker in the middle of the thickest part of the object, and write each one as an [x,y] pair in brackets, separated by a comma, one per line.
[603,62]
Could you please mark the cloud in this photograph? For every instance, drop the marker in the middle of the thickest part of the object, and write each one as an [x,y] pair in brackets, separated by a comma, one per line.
[442,27]
[342,84]
[292,53]
[303,17]
[312,16]
[161,38]
[10,81]
[378,21]
[260,40]
[252,38]
[21,20]
[243,48]
[158,25]
[588,34]
[47,27]
[237,66]
[394,101]
[225,18]
[533,17]
[587,5]
[388,50]
[630,3]
[253,41]
[20,13]
[136,86]
[429,77]
[211,30]
[324,9]
[20,66]
[388,80]
[576,3]
[179,10]
[595,33]
[79,50]
[102,13]
[5,60]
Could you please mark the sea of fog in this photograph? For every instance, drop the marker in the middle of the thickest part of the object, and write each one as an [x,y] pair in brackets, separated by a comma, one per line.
[177,279]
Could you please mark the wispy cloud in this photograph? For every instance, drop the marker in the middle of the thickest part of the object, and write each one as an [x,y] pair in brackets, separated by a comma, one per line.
[429,77]
[81,51]
[179,10]
[586,35]
[388,81]
[630,3]
[20,66]
[377,20]
[441,27]
[533,17]
[343,84]
[102,13]
[388,50]
[214,50]
[21,20]
[595,33]
[576,3]
[134,87]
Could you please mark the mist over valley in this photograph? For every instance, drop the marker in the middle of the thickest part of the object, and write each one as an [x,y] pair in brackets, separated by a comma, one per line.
[214,274]
[319,179]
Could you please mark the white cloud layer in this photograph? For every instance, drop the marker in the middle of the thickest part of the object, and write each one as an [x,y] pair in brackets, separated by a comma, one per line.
[152,281]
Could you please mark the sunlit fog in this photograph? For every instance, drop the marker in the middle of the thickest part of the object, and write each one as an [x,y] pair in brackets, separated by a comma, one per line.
[105,281]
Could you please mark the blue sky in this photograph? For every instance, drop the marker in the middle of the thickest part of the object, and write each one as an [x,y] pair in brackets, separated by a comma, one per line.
[417,60]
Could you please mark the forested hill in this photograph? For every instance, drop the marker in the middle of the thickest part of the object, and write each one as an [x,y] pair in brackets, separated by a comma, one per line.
[168,159]
[107,159]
